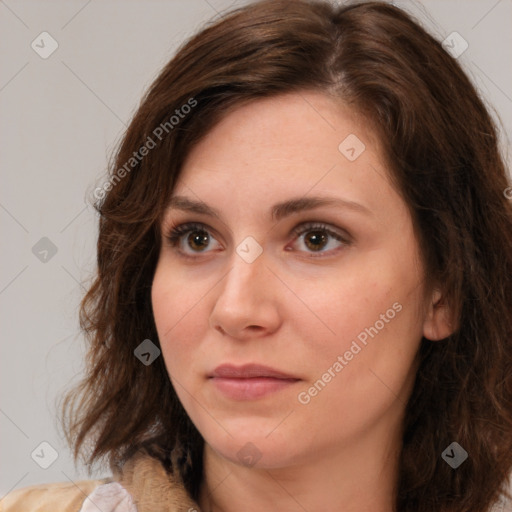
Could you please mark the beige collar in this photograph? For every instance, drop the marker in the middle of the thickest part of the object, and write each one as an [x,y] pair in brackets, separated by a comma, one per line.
[152,488]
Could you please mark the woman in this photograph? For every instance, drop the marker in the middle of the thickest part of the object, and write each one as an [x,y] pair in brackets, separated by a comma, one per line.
[304,287]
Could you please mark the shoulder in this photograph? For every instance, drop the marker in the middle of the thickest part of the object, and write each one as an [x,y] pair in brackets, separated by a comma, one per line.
[141,484]
[83,496]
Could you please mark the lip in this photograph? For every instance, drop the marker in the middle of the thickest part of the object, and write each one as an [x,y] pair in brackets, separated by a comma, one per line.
[250,381]
[248,371]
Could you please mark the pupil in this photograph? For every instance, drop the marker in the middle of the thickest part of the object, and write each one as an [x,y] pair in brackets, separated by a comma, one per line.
[198,240]
[317,240]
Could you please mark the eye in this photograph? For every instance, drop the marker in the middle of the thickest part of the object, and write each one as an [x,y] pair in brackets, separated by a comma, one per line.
[192,237]
[319,238]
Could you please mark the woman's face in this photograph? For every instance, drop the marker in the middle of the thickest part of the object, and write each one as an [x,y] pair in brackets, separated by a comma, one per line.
[301,258]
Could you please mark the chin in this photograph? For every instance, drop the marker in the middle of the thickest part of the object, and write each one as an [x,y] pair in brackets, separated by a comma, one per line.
[258,453]
[251,445]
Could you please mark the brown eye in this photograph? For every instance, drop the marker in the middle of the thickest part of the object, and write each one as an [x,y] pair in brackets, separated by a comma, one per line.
[191,239]
[198,240]
[315,240]
[319,238]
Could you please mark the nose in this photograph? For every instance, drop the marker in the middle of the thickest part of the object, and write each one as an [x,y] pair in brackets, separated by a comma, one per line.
[247,301]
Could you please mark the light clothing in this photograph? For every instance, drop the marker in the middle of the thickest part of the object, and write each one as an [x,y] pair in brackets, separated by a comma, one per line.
[143,486]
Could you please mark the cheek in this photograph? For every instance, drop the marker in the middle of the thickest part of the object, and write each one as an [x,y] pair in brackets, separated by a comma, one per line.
[176,308]
[368,317]
[341,305]
[364,373]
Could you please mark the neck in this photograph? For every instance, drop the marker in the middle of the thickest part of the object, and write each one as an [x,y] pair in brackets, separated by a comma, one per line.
[361,476]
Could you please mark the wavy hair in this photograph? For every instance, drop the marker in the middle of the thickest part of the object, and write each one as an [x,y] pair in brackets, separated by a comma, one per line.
[442,150]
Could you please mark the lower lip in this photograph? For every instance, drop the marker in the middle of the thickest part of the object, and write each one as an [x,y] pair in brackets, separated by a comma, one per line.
[251,389]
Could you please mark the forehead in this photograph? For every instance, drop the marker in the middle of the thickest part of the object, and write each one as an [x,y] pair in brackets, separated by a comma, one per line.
[288,126]
[292,145]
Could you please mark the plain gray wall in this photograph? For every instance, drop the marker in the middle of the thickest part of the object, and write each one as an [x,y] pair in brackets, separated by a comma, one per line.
[61,117]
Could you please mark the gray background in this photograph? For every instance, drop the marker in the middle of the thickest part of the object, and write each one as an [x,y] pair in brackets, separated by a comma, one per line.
[61,118]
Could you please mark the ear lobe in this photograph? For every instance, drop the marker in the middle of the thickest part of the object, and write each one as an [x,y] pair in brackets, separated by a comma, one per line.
[439,322]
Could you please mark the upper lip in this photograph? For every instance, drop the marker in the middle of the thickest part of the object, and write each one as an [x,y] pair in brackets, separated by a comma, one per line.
[248,371]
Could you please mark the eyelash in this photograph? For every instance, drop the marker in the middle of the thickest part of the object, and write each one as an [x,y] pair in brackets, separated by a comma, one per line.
[177,232]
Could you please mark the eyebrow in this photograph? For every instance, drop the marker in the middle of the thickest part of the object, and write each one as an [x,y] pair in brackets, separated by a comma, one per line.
[278,211]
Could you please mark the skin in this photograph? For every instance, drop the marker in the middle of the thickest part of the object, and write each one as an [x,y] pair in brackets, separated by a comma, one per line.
[294,310]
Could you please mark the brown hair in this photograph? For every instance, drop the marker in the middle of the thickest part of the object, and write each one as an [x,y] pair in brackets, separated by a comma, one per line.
[442,151]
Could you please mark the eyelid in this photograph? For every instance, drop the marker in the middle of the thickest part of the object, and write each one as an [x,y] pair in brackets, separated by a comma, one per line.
[176,232]
[337,233]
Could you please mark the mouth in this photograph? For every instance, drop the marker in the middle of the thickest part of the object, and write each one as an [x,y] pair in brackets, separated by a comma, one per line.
[249,382]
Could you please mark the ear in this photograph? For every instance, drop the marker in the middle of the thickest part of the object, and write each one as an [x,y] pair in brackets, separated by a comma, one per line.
[439,322]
